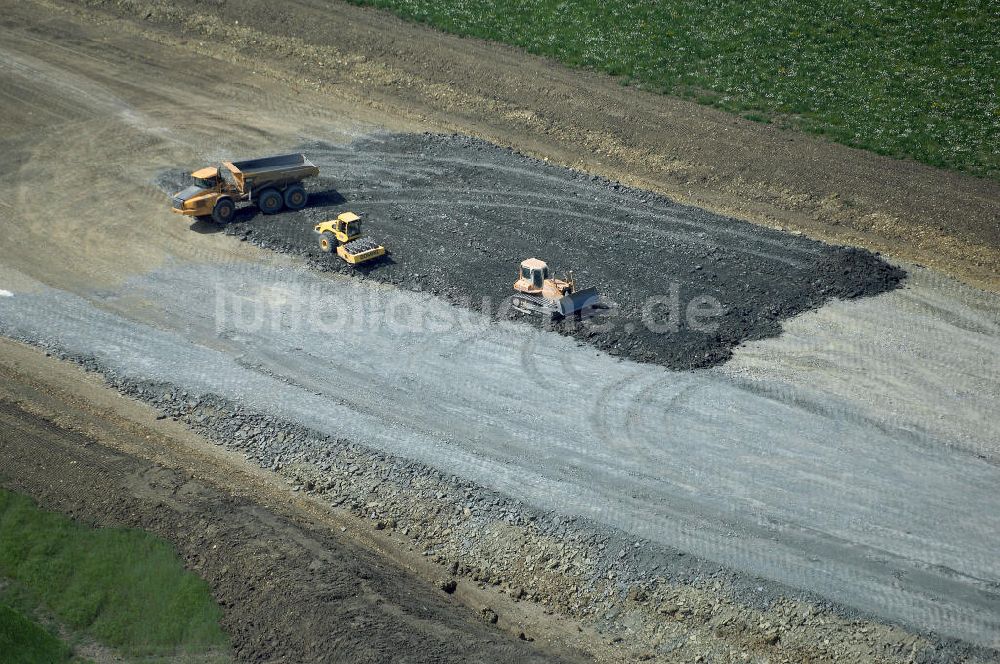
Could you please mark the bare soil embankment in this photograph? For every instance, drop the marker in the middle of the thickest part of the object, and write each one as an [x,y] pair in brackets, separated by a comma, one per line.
[693,154]
[290,590]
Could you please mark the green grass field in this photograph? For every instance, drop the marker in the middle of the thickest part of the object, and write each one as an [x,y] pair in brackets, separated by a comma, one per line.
[124,588]
[22,641]
[904,78]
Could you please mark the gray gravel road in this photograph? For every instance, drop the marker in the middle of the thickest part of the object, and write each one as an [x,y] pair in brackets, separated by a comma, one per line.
[778,472]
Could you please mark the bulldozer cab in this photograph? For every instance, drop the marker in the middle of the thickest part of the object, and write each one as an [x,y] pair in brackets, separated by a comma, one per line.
[206,178]
[534,272]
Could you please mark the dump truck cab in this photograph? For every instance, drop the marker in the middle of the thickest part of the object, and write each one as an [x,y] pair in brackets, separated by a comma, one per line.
[207,178]
[200,197]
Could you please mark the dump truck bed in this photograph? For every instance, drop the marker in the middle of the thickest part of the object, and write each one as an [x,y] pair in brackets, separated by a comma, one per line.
[278,170]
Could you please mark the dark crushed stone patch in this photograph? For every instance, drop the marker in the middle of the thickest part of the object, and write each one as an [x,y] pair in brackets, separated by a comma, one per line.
[459,214]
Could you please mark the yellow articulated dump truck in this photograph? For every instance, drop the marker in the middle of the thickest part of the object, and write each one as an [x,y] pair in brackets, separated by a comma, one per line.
[271,183]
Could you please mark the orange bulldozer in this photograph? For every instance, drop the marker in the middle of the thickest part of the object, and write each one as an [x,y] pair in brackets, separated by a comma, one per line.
[537,292]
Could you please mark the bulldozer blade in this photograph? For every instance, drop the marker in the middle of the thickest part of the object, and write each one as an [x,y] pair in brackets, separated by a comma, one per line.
[578,301]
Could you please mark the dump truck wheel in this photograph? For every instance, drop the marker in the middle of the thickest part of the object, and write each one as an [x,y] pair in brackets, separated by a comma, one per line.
[270,201]
[327,242]
[223,211]
[295,197]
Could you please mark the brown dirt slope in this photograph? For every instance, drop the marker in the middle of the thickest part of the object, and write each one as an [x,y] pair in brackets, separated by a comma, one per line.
[289,590]
[696,155]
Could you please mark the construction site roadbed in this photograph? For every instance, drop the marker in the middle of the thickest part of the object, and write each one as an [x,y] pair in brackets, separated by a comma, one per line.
[806,499]
[683,286]
[359,565]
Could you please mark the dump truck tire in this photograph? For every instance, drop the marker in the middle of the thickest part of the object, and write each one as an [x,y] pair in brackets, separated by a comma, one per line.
[224,211]
[327,242]
[270,201]
[296,197]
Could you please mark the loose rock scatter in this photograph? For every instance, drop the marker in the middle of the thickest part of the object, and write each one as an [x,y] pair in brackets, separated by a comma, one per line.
[641,597]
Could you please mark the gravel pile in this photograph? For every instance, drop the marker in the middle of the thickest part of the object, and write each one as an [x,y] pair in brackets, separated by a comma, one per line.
[458,215]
